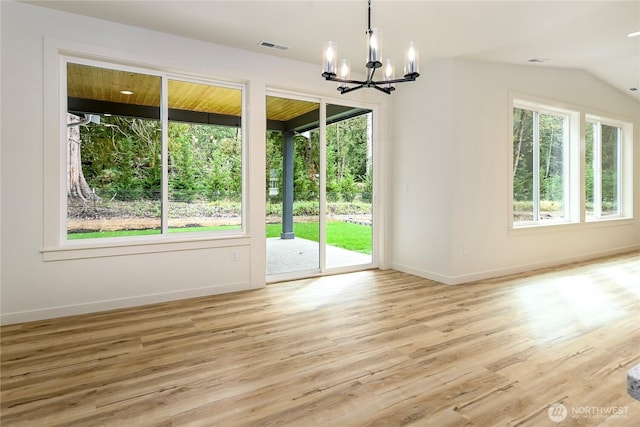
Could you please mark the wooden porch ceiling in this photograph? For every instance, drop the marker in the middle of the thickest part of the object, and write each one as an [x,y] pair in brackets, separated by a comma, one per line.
[98,90]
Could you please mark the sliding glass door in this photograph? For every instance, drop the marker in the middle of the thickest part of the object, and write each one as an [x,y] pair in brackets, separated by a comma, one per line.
[319,178]
[349,186]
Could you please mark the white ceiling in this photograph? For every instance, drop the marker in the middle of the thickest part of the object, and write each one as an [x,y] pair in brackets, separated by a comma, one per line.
[588,35]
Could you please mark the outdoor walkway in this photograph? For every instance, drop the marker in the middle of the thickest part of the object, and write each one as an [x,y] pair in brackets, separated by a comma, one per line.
[284,256]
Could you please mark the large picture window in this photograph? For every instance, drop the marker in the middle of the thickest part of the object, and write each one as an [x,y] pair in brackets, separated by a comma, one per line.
[150,154]
[556,179]
[540,157]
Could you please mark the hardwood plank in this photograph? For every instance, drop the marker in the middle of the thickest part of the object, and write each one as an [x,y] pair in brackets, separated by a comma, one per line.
[375,348]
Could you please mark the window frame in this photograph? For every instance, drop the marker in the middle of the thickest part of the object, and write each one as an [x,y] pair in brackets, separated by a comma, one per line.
[568,163]
[576,145]
[599,121]
[56,246]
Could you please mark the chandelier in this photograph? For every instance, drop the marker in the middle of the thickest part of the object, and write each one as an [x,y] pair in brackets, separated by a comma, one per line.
[340,72]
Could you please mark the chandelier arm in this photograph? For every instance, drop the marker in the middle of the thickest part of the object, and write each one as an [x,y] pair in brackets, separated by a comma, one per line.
[355,82]
[350,89]
[373,82]
[385,89]
[402,80]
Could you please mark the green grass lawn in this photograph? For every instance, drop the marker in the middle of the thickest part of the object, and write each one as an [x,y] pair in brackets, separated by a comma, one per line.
[123,233]
[345,235]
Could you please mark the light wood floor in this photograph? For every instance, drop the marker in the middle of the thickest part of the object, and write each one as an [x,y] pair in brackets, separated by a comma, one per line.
[374,348]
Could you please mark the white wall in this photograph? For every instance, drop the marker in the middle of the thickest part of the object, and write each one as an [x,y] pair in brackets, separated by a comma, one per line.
[454,152]
[32,288]
[421,177]
[447,186]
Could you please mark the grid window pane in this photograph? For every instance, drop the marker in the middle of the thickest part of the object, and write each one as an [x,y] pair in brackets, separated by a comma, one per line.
[539,170]
[591,130]
[603,145]
[205,157]
[551,168]
[522,165]
[114,141]
[610,170]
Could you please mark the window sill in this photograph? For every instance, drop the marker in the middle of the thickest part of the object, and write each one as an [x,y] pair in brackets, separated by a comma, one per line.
[82,250]
[517,230]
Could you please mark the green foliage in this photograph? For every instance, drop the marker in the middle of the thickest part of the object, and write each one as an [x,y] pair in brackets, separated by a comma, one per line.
[609,139]
[183,182]
[545,206]
[312,208]
[353,208]
[306,166]
[122,161]
[127,184]
[550,154]
[348,163]
[367,188]
[121,158]
[348,169]
[348,187]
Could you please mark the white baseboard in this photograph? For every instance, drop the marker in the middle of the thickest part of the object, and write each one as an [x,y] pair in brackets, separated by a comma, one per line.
[97,306]
[422,273]
[490,274]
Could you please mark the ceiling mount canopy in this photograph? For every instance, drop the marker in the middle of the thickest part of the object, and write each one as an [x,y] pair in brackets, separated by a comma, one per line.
[339,72]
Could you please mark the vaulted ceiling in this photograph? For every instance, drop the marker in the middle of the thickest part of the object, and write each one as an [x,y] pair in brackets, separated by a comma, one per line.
[587,35]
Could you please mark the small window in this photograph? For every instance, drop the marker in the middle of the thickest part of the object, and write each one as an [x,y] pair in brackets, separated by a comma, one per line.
[603,150]
[143,162]
[540,164]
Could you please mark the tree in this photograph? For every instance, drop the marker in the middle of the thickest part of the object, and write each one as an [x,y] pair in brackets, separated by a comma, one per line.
[274,164]
[121,157]
[523,155]
[519,131]
[77,186]
[306,166]
[183,179]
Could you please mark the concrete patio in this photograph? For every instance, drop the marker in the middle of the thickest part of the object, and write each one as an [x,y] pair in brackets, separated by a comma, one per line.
[288,255]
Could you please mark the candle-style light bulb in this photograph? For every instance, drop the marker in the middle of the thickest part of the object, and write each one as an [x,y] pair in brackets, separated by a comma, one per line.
[389,73]
[388,70]
[344,70]
[374,40]
[411,67]
[329,59]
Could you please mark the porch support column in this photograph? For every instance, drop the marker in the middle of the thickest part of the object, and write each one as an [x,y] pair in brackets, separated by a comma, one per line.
[287,186]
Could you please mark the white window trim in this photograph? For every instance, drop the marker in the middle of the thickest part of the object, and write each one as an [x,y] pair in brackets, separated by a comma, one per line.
[625,167]
[578,116]
[56,247]
[569,153]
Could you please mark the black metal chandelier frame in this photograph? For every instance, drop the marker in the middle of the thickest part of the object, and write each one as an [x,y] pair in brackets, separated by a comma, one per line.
[385,86]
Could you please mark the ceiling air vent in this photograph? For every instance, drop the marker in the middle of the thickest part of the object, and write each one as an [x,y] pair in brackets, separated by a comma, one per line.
[272,45]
